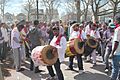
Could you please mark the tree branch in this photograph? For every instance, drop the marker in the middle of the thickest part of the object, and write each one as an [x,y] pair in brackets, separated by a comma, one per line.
[112,1]
[103,4]
[92,6]
[105,13]
[98,2]
[94,1]
[105,10]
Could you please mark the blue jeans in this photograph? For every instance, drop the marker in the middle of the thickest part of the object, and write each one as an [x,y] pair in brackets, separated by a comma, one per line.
[1,51]
[5,51]
[115,67]
[106,56]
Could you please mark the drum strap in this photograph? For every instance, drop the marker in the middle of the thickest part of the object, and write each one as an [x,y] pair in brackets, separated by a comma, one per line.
[58,39]
[79,36]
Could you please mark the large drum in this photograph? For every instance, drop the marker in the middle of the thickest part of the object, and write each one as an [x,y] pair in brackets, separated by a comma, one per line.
[75,46]
[44,55]
[90,45]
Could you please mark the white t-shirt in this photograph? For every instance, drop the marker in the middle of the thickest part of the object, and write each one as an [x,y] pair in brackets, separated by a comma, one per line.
[5,34]
[61,31]
[15,33]
[117,38]
[71,30]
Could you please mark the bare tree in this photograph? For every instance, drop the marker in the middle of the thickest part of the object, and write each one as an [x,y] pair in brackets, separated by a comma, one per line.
[28,6]
[96,6]
[2,7]
[86,4]
[114,5]
[50,6]
[70,6]
[74,6]
[78,10]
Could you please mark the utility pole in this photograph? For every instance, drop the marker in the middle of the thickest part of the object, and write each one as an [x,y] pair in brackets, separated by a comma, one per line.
[37,9]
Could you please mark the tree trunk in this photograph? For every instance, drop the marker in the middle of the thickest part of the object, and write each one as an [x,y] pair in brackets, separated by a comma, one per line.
[50,15]
[29,12]
[28,16]
[114,11]
[95,17]
[78,10]
[86,13]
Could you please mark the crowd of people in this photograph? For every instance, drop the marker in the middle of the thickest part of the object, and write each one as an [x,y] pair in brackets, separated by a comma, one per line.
[24,36]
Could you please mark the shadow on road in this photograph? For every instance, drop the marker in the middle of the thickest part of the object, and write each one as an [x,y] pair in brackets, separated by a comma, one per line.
[35,76]
[91,76]
[75,65]
[6,67]
[100,67]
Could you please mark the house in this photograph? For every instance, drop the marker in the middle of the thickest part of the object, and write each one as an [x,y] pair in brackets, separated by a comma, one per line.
[20,17]
[33,15]
[8,17]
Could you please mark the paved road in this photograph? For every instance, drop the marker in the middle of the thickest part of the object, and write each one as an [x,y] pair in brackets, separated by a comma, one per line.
[91,73]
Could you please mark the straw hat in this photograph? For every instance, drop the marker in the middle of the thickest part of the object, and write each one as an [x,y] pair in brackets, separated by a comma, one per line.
[75,25]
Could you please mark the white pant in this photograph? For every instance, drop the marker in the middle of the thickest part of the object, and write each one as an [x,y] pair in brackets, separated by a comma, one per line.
[17,58]
[93,55]
[22,52]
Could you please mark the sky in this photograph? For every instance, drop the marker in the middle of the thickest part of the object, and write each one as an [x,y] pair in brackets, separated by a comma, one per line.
[15,6]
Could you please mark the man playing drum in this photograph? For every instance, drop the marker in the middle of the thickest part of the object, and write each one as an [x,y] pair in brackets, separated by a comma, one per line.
[76,34]
[95,34]
[60,43]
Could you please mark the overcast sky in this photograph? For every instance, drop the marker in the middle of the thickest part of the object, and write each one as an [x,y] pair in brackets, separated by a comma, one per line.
[15,7]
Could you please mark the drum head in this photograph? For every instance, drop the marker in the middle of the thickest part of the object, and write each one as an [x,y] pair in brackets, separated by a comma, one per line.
[92,42]
[88,50]
[48,55]
[79,46]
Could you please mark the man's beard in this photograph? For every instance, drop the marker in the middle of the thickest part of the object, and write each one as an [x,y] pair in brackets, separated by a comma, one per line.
[56,34]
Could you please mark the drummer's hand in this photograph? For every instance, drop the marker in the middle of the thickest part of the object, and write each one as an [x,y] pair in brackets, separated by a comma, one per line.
[20,42]
[111,55]
[85,40]
[54,50]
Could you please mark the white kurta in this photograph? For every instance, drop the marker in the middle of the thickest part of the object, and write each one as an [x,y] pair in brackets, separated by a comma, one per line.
[75,34]
[87,30]
[95,34]
[61,48]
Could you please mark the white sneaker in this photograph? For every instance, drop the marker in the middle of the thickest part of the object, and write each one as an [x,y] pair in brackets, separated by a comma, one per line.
[52,78]
[106,70]
[81,71]
[55,77]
